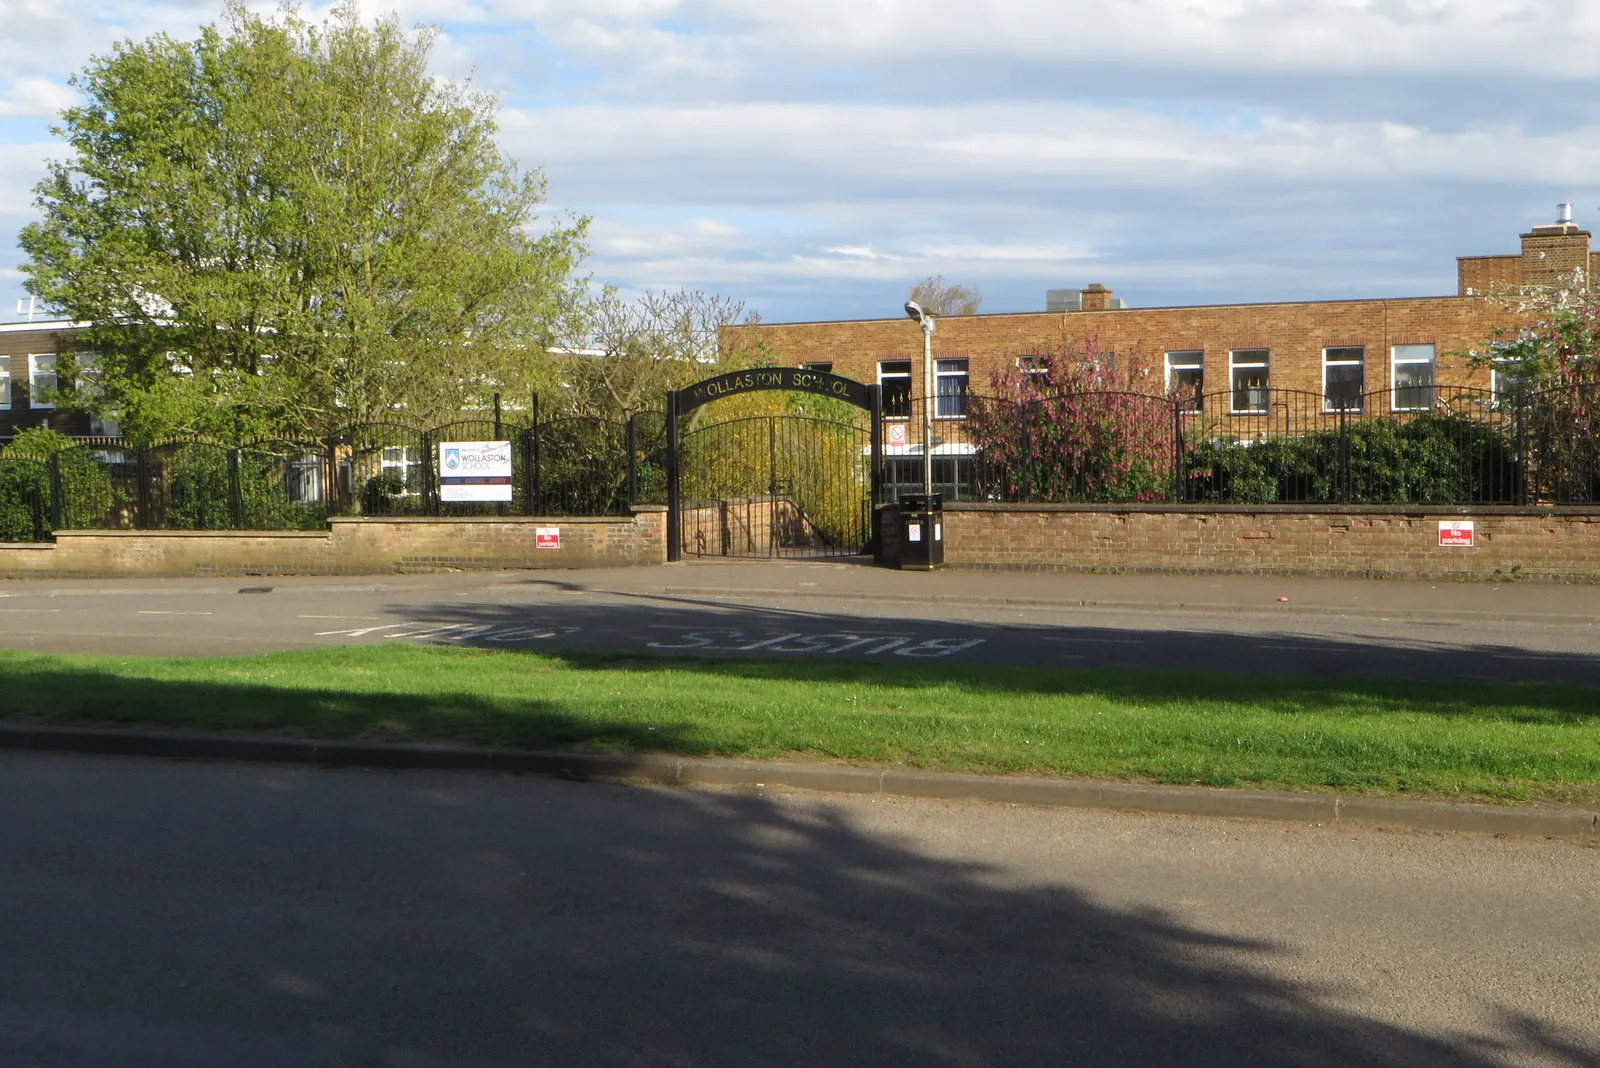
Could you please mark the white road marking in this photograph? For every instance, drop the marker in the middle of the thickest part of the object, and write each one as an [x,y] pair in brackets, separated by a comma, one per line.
[154,612]
[830,643]
[489,632]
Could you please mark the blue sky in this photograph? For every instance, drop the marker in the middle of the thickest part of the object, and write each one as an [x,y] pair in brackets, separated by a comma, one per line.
[814,158]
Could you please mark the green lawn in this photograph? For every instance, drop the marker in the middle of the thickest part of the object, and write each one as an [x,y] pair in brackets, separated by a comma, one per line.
[1477,740]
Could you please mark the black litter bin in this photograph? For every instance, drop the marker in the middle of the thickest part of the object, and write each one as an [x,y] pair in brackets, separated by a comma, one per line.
[921,541]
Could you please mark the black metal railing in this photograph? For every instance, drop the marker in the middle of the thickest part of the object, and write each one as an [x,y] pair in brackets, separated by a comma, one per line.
[560,466]
[1467,446]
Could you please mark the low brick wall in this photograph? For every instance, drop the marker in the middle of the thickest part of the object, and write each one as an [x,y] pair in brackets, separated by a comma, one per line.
[1559,544]
[350,547]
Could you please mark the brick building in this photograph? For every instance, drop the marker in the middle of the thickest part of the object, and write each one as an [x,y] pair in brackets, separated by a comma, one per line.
[28,377]
[1398,348]
[1341,358]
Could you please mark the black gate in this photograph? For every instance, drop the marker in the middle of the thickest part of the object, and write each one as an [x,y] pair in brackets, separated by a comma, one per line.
[773,485]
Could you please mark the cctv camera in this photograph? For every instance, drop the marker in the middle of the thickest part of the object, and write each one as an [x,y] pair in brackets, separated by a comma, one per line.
[913,310]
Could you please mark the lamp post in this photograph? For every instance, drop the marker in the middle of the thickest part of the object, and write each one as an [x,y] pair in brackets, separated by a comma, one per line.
[914,311]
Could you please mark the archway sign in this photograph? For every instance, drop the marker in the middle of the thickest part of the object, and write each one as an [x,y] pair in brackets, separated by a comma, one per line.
[680,402]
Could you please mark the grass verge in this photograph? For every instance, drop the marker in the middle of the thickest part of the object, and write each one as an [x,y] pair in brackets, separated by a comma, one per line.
[1483,741]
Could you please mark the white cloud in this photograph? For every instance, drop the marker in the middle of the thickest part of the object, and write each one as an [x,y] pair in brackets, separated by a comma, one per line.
[816,158]
[33,96]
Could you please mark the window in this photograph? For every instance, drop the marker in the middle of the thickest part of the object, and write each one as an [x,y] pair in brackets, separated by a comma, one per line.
[953,476]
[86,384]
[1186,377]
[303,478]
[41,381]
[895,378]
[1247,372]
[1509,381]
[1413,378]
[1033,365]
[1343,378]
[5,382]
[950,387]
[402,463]
[825,367]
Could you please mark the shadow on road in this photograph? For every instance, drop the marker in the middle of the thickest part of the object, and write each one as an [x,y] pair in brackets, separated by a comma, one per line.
[1181,664]
[159,915]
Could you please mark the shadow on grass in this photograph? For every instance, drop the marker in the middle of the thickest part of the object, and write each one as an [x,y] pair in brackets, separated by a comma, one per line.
[52,690]
[203,915]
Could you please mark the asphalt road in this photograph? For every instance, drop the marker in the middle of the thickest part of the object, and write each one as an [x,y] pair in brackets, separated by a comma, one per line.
[1232,624]
[158,915]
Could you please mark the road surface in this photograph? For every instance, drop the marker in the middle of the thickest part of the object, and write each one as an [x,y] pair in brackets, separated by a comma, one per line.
[161,915]
[1236,624]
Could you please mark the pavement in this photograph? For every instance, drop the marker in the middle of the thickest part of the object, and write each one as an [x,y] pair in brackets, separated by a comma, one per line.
[1429,631]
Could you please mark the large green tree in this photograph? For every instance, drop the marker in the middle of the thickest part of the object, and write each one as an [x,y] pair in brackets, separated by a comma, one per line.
[284,226]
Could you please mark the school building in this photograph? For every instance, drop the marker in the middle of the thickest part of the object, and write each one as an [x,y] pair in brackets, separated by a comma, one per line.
[1383,354]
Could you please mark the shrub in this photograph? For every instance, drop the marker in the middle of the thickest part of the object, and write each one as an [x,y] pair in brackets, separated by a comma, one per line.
[1433,458]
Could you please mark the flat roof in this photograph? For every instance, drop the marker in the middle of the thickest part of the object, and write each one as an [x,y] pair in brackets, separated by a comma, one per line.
[1122,311]
[42,324]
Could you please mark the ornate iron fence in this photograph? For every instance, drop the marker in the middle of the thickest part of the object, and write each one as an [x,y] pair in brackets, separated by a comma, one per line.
[560,466]
[1455,446]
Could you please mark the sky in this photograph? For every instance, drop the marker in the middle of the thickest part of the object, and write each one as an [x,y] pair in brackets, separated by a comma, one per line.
[815,158]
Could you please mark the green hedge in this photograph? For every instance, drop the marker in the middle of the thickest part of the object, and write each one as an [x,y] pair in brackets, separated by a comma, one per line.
[199,492]
[1430,459]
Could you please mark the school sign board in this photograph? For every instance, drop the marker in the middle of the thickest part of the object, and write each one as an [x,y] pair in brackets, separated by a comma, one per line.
[474,471]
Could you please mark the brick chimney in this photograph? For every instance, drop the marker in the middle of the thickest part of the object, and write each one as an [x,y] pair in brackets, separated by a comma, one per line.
[1098,298]
[1552,252]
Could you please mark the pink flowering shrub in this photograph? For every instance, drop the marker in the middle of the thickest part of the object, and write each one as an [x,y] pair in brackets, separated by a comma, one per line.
[1080,424]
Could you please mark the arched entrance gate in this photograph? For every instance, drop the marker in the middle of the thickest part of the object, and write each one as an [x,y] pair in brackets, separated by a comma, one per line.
[797,484]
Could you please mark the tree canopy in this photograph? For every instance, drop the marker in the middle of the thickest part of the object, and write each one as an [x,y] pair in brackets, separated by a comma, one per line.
[282,227]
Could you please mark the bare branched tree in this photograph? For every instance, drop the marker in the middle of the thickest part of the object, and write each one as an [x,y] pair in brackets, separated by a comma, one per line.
[939,297]
[630,352]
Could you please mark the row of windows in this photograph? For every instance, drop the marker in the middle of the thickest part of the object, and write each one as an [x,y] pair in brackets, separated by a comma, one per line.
[949,388]
[1343,377]
[1249,377]
[40,373]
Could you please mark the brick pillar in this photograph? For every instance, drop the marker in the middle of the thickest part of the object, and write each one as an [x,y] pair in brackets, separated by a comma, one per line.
[1096,298]
[1551,253]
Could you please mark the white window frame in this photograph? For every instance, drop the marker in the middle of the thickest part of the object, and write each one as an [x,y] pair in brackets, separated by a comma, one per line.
[410,457]
[824,366]
[895,376]
[1235,364]
[35,374]
[1495,375]
[1328,361]
[1032,365]
[942,374]
[5,382]
[1186,360]
[1396,361]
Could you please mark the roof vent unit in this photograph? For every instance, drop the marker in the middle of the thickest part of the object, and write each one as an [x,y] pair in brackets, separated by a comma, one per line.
[1063,300]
